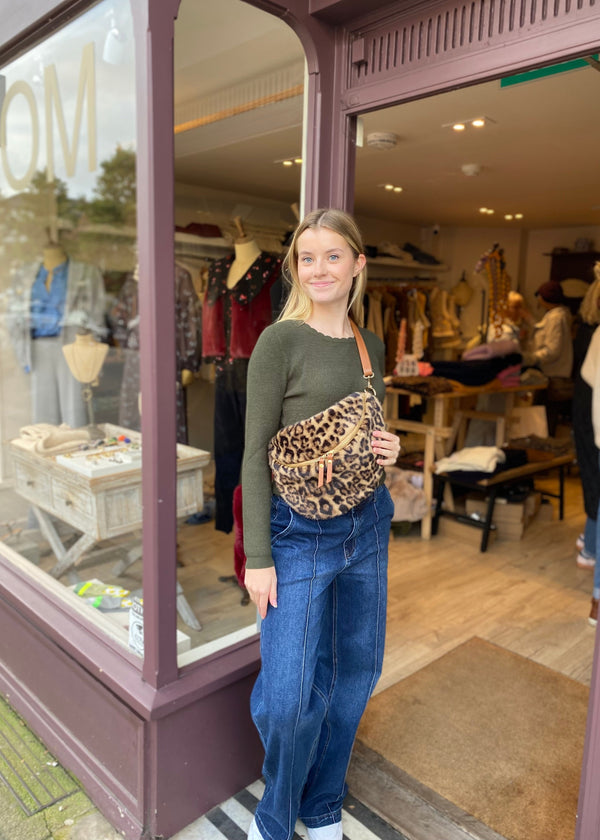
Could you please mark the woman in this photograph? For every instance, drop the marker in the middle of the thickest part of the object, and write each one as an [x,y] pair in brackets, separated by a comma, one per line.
[583,429]
[319,585]
[552,350]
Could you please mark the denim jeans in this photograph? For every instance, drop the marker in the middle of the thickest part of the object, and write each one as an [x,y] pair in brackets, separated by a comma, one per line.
[589,537]
[322,652]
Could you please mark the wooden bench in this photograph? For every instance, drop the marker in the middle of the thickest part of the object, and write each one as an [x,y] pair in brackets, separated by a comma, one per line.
[496,483]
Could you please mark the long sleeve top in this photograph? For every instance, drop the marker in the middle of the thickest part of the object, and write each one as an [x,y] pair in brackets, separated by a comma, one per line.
[294,372]
[552,343]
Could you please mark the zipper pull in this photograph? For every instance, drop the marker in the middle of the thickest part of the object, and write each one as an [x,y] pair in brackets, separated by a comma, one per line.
[321,471]
[329,467]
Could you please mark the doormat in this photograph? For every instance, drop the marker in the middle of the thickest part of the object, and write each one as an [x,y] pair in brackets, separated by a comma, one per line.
[494,733]
[27,769]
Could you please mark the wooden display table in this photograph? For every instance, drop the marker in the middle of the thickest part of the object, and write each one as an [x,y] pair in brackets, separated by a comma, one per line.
[441,435]
[100,506]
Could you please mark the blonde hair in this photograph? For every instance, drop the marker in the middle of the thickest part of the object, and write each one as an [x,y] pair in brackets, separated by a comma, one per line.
[299,305]
[515,297]
[589,311]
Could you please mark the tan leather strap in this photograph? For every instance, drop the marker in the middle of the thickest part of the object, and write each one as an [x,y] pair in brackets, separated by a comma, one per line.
[363,352]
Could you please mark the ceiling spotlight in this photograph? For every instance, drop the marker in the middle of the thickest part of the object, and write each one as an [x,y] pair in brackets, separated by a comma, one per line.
[389,186]
[288,162]
[397,189]
[518,215]
[490,212]
[478,123]
[459,126]
[298,160]
[470,169]
[508,216]
[483,209]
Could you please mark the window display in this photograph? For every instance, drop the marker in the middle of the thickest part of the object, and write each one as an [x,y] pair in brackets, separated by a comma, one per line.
[68,215]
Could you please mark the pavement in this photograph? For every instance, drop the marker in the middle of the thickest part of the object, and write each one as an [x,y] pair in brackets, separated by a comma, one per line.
[39,799]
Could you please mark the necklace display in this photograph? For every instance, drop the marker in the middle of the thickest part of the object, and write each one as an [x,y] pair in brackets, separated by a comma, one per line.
[85,357]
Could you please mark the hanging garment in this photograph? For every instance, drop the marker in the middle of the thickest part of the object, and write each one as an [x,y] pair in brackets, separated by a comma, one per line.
[232,320]
[125,322]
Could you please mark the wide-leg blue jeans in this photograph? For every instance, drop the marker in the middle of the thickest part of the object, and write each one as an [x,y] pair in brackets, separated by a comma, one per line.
[322,653]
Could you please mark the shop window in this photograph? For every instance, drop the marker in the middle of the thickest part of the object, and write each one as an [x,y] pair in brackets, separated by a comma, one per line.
[70,466]
[239,84]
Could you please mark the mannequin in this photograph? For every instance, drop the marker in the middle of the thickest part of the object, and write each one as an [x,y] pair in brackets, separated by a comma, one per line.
[53,256]
[236,308]
[246,254]
[48,303]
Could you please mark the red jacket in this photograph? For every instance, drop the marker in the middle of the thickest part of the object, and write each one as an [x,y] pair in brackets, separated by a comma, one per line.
[239,314]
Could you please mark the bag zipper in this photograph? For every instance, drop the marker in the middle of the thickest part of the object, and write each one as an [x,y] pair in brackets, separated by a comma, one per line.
[325,461]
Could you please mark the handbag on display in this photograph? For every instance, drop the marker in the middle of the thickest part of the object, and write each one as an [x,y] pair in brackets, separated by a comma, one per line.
[325,465]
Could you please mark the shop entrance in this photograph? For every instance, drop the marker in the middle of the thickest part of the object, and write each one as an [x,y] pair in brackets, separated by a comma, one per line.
[433,201]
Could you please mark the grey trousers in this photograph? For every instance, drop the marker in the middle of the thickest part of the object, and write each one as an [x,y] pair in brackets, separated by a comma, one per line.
[56,396]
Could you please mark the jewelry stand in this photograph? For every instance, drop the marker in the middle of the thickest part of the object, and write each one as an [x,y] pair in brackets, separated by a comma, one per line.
[85,357]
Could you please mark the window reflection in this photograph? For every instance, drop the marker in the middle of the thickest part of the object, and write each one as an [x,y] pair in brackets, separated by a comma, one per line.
[70,472]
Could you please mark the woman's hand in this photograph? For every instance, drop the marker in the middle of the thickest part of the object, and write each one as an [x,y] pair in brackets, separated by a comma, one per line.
[262,588]
[387,446]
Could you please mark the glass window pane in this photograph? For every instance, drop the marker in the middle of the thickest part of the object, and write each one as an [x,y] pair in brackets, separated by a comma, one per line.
[238,117]
[70,468]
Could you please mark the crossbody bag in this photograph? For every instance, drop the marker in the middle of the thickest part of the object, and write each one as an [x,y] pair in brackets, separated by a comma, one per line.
[325,465]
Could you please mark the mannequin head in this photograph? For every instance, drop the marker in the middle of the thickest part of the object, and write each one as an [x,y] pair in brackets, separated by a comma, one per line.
[54,254]
[299,305]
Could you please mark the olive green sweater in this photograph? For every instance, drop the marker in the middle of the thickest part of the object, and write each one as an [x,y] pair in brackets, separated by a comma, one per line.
[294,372]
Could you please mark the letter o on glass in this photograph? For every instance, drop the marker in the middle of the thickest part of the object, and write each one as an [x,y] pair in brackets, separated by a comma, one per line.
[20,87]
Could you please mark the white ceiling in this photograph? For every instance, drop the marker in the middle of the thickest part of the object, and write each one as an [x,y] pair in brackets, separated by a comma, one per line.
[538,156]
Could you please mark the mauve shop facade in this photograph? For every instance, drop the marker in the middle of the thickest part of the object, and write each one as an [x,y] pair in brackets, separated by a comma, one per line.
[157,744]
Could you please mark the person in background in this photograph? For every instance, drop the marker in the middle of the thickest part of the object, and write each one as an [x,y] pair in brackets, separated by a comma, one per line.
[320,585]
[583,429]
[551,349]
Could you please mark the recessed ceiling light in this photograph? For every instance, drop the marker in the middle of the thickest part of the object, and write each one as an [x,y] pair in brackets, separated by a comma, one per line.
[397,189]
[508,216]
[518,215]
[490,212]
[298,160]
[288,162]
[483,209]
[389,186]
[476,122]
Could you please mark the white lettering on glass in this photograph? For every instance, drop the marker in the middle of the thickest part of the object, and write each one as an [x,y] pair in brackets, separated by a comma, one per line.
[87,82]
[86,89]
[25,90]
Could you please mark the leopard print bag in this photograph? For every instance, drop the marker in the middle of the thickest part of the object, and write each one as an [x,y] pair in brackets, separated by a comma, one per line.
[325,465]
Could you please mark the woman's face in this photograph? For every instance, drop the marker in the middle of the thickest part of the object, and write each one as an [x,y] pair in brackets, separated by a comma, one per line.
[326,266]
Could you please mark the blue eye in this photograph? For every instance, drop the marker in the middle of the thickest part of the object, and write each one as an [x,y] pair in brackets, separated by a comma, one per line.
[334,257]
[306,260]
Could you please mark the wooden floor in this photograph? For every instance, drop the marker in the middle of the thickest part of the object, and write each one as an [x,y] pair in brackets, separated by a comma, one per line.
[527,596]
